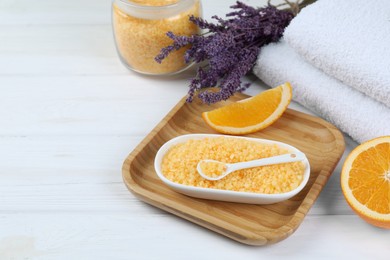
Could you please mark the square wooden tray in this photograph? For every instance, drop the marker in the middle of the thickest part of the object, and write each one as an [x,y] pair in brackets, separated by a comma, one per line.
[322,143]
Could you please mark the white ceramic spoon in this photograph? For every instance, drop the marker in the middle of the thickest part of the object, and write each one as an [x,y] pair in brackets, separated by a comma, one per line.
[231,167]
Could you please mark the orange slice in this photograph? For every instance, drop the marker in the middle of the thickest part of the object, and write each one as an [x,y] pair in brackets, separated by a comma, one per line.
[251,114]
[365,181]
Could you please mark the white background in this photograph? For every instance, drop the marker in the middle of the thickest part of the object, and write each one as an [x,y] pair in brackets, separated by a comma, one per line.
[69,115]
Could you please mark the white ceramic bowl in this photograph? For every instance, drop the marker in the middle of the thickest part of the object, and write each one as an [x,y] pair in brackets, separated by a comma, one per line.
[226,195]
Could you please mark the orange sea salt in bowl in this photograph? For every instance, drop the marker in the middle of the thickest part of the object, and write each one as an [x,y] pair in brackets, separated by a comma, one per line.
[176,161]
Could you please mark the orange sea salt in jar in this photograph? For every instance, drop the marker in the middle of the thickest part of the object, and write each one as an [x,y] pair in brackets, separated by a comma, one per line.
[140,28]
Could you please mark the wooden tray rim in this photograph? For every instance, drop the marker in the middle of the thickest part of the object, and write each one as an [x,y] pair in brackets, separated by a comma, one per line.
[255,239]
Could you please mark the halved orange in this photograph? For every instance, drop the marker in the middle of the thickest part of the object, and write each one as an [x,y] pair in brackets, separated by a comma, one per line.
[365,181]
[251,114]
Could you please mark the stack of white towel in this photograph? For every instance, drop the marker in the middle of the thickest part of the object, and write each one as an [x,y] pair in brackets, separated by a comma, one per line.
[336,55]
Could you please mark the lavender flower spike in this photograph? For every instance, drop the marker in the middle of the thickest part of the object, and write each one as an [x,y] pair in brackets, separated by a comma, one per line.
[230,47]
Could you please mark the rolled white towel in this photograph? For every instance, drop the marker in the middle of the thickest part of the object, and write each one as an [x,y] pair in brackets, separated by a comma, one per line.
[348,40]
[351,111]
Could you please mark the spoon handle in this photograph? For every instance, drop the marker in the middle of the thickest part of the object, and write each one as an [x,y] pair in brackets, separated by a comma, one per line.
[284,158]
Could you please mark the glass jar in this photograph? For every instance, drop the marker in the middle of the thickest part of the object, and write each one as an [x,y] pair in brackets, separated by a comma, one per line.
[140,28]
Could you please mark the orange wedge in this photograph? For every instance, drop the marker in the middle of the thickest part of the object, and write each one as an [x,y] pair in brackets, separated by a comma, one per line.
[251,114]
[365,181]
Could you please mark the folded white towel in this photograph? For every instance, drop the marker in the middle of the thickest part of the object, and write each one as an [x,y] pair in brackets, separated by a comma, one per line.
[348,40]
[351,111]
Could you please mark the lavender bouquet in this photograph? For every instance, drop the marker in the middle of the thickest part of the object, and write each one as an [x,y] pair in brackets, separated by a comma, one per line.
[229,48]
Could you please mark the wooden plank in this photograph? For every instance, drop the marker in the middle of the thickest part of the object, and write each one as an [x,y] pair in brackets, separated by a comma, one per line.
[54,12]
[81,173]
[84,12]
[123,236]
[85,105]
[58,50]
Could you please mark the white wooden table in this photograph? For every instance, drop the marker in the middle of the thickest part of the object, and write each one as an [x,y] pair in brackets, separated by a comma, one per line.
[69,115]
